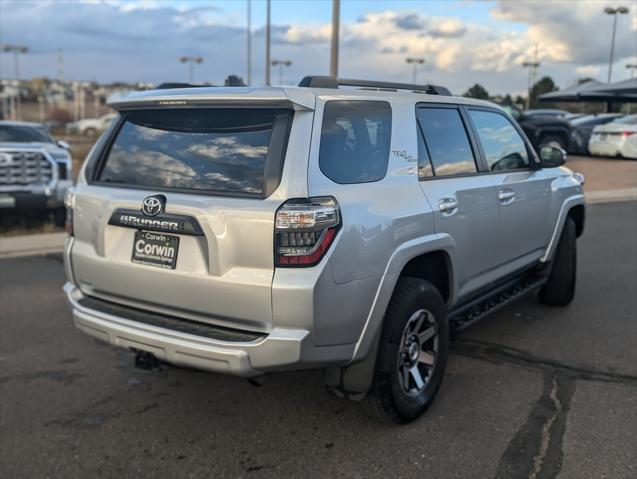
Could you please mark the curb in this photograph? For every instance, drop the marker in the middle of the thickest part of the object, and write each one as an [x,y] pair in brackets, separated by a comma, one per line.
[29,245]
[611,196]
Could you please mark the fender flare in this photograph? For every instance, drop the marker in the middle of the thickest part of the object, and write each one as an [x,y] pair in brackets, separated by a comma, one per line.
[567,205]
[354,380]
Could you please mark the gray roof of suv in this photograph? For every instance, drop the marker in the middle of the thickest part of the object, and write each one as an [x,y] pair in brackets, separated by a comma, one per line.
[298,98]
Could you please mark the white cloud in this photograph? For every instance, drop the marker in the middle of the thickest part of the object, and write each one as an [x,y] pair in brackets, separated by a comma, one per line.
[589,70]
[141,41]
[576,32]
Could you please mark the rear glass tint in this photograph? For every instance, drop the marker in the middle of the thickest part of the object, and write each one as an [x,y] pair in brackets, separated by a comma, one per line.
[355,141]
[213,149]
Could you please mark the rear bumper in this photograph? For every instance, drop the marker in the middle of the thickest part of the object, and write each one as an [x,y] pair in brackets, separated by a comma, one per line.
[604,148]
[35,197]
[279,349]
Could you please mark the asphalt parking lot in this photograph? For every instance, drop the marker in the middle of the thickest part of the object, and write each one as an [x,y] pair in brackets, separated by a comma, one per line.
[532,391]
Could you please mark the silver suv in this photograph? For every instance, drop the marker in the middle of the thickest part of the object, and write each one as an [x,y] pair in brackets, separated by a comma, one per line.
[344,225]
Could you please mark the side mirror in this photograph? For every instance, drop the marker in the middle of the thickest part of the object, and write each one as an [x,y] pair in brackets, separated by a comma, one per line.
[552,157]
[64,144]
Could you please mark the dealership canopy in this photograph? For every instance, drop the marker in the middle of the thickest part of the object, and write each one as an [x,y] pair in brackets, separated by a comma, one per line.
[621,91]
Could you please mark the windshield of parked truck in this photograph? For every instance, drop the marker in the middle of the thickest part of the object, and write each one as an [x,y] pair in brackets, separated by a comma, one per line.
[24,134]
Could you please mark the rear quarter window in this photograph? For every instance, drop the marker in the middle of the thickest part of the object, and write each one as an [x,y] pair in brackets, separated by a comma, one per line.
[355,141]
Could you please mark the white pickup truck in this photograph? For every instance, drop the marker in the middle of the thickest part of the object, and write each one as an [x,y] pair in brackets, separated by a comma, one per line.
[35,169]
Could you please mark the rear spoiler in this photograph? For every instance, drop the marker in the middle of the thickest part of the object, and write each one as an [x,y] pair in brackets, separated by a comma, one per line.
[297,99]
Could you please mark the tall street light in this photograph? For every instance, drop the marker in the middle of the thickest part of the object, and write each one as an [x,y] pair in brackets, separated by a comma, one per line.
[249,44]
[16,49]
[532,66]
[267,44]
[614,11]
[415,62]
[191,63]
[336,26]
[281,64]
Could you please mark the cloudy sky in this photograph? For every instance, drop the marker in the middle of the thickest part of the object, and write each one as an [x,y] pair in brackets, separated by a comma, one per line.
[464,42]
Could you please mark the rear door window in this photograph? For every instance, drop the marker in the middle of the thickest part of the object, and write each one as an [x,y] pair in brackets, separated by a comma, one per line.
[226,150]
[504,148]
[355,141]
[447,145]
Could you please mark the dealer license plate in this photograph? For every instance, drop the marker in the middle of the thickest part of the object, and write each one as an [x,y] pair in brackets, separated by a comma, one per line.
[155,249]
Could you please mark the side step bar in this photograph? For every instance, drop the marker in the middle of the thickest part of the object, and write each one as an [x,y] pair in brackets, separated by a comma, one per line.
[472,312]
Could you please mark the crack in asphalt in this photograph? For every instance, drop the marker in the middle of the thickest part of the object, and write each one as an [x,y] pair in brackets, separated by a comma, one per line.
[545,439]
[497,354]
[535,451]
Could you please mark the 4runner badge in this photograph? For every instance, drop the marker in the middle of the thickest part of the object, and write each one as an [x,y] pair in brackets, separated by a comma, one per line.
[153,205]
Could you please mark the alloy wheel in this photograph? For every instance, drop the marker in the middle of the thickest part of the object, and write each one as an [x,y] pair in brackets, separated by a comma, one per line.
[417,352]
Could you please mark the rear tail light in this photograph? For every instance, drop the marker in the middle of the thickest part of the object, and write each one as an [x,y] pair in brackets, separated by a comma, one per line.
[304,230]
[626,134]
[69,203]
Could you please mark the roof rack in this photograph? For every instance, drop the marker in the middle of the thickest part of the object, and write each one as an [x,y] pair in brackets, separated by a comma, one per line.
[171,85]
[320,81]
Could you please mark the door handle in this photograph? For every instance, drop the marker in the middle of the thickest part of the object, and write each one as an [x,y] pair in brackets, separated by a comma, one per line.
[506,196]
[448,205]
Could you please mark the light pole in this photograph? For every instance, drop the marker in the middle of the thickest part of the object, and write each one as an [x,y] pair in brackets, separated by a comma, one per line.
[16,49]
[336,26]
[633,69]
[614,11]
[267,44]
[532,66]
[191,62]
[249,44]
[281,64]
[415,62]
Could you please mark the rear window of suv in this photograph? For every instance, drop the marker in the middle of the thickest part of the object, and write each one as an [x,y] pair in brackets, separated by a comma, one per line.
[226,150]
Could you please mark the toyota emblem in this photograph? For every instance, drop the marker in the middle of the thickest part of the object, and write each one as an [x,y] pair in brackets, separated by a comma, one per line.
[153,205]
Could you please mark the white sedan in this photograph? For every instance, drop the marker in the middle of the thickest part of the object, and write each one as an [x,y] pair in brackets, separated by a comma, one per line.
[91,126]
[617,138]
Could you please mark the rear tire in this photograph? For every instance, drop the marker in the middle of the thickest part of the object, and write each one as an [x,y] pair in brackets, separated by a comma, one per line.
[559,290]
[412,353]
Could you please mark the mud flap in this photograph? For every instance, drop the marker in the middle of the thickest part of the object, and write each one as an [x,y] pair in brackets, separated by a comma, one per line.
[353,381]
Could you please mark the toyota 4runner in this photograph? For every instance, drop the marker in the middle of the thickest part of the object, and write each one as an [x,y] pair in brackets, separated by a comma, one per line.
[345,225]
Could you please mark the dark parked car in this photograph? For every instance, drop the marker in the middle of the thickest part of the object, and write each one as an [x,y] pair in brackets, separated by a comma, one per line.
[581,129]
[545,127]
